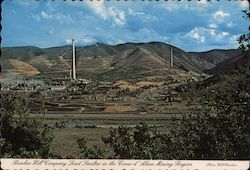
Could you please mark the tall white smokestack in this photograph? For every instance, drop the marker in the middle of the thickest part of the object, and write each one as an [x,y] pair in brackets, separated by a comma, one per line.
[171,57]
[73,60]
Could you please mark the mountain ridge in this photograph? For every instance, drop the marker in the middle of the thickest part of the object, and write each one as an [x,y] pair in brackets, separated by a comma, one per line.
[100,59]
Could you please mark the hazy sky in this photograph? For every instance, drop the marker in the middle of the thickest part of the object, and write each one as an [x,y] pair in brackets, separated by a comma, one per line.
[191,26]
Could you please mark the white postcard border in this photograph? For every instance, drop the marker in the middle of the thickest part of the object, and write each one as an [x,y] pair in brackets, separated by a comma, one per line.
[105,164]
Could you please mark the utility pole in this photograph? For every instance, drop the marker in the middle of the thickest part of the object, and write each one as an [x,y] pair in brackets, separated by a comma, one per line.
[73,59]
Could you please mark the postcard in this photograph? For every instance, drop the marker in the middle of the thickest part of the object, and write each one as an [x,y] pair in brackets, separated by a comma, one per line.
[133,84]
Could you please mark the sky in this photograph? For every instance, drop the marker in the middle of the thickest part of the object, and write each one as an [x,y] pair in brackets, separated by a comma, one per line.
[192,26]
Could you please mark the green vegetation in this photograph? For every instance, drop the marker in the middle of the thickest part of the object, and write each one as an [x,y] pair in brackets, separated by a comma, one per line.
[220,131]
[21,135]
[245,38]
[138,143]
[94,152]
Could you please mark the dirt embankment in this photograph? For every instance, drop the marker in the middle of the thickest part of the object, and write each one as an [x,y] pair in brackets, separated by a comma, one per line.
[119,108]
[135,86]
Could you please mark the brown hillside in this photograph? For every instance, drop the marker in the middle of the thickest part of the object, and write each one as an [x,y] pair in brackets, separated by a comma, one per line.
[129,61]
[139,58]
[141,63]
[94,64]
[21,68]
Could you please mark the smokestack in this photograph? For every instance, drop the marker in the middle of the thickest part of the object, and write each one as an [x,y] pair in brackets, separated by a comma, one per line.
[73,60]
[171,57]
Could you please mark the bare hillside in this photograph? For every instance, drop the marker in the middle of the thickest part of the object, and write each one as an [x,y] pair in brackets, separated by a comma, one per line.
[123,61]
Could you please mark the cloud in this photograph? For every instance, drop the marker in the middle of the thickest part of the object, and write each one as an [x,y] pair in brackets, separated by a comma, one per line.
[142,16]
[135,13]
[141,35]
[51,6]
[115,42]
[82,41]
[61,18]
[26,3]
[223,34]
[172,5]
[233,40]
[36,17]
[217,34]
[201,34]
[98,7]
[202,2]
[244,4]
[212,26]
[196,35]
[68,41]
[230,24]
[45,15]
[204,38]
[87,40]
[220,15]
[117,16]
[212,32]
[184,5]
[148,34]
[51,14]
[190,25]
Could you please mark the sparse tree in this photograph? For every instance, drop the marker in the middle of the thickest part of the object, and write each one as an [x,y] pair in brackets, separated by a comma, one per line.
[244,40]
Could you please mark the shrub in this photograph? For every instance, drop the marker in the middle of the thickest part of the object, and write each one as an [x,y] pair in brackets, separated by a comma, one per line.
[140,142]
[21,135]
[94,152]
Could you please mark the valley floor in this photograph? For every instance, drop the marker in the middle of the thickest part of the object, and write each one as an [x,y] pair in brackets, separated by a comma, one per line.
[91,113]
